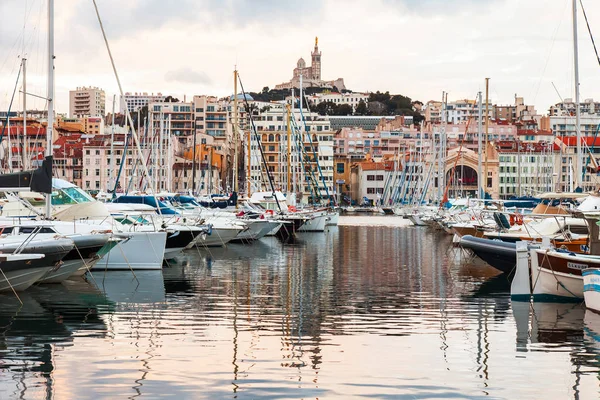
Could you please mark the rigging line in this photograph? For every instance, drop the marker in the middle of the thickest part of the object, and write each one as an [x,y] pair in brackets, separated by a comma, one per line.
[259,145]
[549,54]
[590,31]
[9,107]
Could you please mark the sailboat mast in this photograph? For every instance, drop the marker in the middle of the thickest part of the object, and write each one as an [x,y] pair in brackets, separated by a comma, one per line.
[112,150]
[289,143]
[235,133]
[579,158]
[487,126]
[479,131]
[24,139]
[50,95]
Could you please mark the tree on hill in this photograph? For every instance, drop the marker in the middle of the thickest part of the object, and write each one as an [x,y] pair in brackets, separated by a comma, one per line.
[361,108]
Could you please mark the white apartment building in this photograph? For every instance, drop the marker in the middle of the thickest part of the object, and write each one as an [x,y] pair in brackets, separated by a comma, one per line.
[460,111]
[308,134]
[567,107]
[526,173]
[353,99]
[87,102]
[564,125]
[135,101]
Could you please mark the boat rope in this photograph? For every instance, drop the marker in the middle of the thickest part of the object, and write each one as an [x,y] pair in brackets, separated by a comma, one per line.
[11,286]
[558,283]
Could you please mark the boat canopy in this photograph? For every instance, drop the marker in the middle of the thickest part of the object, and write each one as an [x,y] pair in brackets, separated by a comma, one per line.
[563,195]
[158,205]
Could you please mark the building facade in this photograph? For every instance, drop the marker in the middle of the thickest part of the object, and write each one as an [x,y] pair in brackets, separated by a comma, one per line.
[87,102]
[135,101]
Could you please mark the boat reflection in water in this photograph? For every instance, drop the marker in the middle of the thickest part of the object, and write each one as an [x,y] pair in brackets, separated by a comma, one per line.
[32,333]
[128,287]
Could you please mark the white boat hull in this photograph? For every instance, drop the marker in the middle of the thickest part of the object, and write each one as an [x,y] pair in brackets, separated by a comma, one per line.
[64,272]
[22,279]
[591,288]
[332,219]
[553,285]
[317,224]
[257,229]
[143,250]
[218,237]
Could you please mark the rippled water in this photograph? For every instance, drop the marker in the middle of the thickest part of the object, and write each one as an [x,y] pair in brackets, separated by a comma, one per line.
[359,311]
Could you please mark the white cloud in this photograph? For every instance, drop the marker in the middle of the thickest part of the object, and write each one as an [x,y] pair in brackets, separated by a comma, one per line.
[415,48]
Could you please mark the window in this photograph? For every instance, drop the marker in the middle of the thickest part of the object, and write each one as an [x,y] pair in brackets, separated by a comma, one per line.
[199,109]
[380,190]
[370,177]
[97,172]
[380,177]
[176,109]
[370,190]
[271,158]
[340,168]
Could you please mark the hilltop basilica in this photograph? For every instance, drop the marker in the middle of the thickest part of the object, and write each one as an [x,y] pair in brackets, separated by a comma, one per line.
[311,76]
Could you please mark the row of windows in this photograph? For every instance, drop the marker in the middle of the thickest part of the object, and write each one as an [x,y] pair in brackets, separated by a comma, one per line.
[374,177]
[374,190]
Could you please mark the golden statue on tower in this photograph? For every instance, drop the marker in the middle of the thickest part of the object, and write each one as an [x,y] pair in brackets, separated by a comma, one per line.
[316,40]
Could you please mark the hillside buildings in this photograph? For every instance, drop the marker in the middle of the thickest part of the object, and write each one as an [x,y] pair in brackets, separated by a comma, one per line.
[311,75]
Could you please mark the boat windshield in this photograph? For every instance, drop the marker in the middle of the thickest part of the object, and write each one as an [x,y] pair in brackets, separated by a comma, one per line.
[72,195]
[132,220]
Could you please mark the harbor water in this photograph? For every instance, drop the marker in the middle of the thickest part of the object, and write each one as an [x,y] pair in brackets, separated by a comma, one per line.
[360,311]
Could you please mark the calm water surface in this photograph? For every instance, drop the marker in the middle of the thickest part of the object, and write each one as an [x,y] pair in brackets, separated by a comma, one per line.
[356,312]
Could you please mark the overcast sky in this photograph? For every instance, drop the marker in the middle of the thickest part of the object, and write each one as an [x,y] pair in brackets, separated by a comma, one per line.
[417,48]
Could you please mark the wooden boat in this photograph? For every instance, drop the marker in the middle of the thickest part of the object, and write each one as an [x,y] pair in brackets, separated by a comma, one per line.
[557,275]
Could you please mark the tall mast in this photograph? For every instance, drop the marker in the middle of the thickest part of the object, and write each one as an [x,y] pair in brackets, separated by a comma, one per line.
[487,126]
[249,164]
[479,131]
[169,156]
[289,150]
[50,94]
[235,133]
[301,183]
[24,139]
[112,149]
[579,159]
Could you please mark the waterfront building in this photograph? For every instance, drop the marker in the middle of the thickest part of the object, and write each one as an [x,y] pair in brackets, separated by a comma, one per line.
[525,169]
[135,101]
[368,182]
[311,75]
[87,101]
[271,126]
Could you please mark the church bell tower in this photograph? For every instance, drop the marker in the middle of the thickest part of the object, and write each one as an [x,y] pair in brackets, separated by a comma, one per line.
[316,61]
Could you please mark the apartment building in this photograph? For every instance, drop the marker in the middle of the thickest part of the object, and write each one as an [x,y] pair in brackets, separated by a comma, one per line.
[135,101]
[311,152]
[87,101]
